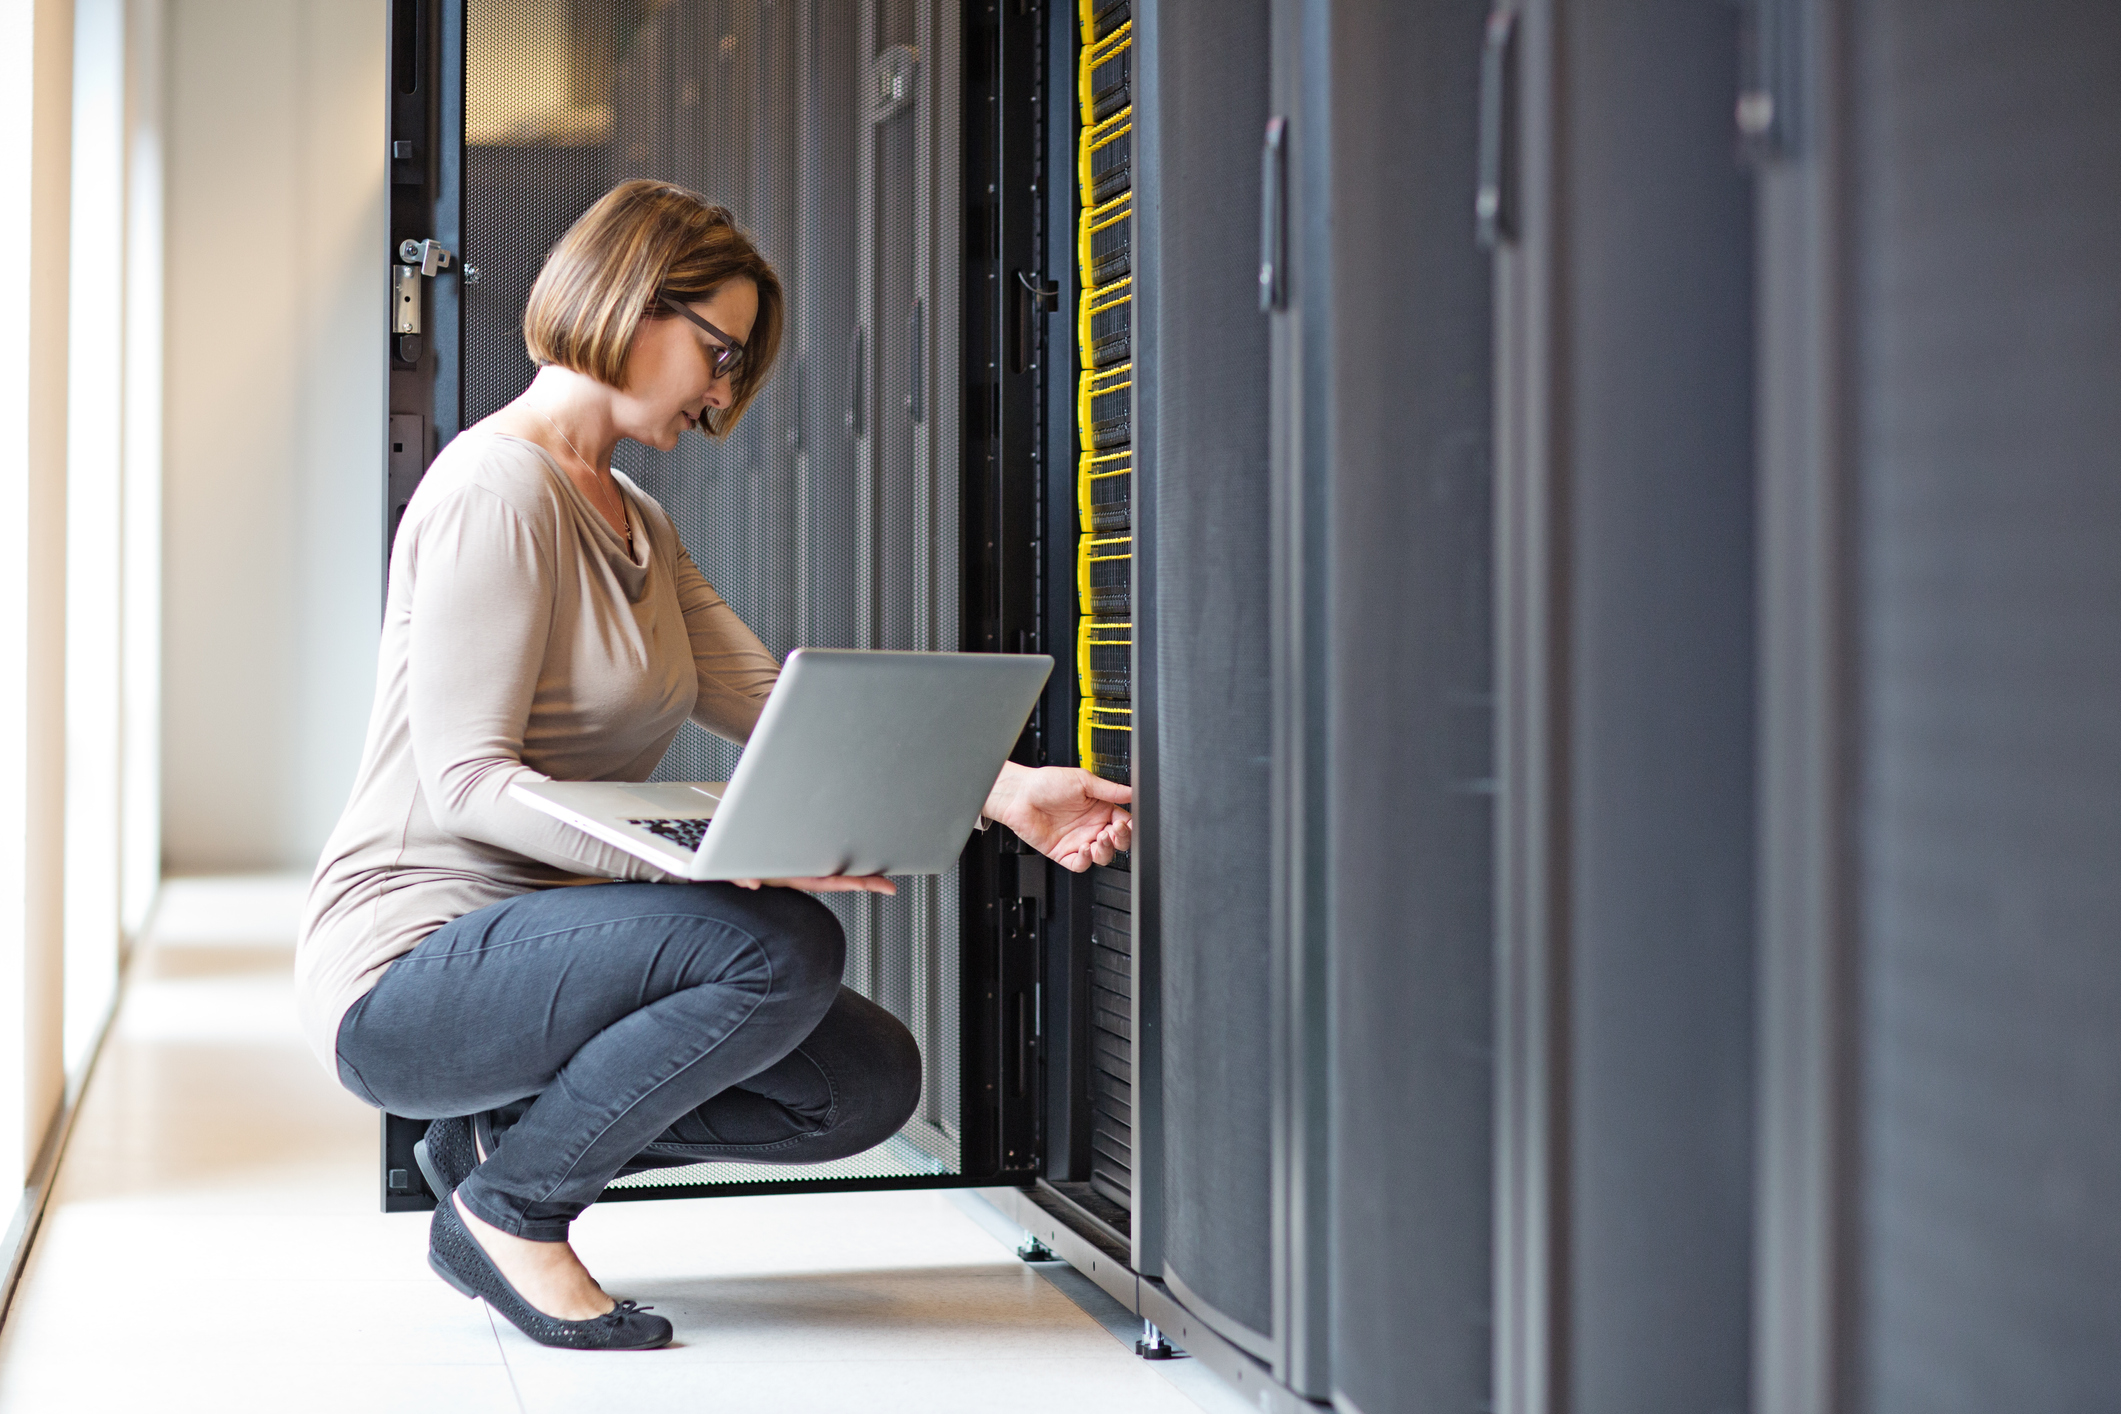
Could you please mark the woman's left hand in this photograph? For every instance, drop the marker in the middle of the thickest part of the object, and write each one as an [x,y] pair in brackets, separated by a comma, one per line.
[837,884]
[1070,816]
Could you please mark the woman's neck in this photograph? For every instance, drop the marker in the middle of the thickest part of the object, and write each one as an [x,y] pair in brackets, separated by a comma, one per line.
[576,410]
[570,417]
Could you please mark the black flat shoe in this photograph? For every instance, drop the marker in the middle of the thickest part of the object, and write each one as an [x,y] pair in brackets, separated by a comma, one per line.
[446,1156]
[458,1259]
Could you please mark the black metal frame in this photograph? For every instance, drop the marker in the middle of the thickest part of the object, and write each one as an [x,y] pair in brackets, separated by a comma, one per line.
[1011,906]
[1004,888]
[426,203]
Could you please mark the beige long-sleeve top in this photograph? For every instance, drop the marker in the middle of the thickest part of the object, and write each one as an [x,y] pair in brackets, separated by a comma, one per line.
[520,643]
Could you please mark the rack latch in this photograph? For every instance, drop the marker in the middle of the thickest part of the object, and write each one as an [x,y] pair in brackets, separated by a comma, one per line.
[430,256]
[417,260]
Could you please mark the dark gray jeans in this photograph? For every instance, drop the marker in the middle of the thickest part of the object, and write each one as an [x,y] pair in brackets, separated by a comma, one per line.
[628,1026]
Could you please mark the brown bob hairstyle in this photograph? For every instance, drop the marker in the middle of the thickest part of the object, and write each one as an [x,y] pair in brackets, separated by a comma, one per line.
[643,240]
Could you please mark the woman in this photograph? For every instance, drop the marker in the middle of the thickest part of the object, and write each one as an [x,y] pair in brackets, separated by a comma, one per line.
[544,622]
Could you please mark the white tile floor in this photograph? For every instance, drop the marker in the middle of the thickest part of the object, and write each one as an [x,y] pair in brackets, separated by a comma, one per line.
[213,1243]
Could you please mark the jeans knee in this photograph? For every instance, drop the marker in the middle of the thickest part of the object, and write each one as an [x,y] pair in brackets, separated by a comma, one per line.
[899,1072]
[881,1094]
[806,947]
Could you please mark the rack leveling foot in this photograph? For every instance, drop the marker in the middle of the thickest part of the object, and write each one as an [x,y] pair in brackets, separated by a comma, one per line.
[1153,1346]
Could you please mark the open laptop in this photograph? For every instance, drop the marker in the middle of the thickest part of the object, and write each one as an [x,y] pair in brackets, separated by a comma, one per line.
[863,762]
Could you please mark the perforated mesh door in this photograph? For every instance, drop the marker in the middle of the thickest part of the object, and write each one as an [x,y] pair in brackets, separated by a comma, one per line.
[822,518]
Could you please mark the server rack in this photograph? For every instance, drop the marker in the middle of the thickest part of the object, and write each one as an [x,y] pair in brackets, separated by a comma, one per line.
[1941,768]
[1625,682]
[1405,626]
[1104,501]
[1015,327]
[878,495]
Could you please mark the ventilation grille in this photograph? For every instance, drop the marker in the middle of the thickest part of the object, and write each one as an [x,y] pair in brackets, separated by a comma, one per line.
[1112,1035]
[754,106]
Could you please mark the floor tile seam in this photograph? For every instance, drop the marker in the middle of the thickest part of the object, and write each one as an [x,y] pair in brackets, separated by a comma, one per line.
[515,1390]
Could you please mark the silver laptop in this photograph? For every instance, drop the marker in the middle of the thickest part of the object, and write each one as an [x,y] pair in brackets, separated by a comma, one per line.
[862,763]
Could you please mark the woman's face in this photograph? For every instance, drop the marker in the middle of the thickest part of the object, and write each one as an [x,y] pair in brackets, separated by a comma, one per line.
[670,378]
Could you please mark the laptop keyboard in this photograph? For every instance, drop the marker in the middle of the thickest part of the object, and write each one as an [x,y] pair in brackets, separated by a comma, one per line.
[688,833]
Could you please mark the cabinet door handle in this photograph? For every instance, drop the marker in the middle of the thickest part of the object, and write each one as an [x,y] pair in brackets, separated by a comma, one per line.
[1274,217]
[1494,209]
[1770,59]
[857,357]
[917,393]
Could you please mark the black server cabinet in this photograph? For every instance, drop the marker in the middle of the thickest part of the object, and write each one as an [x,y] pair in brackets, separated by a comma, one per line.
[1941,319]
[882,491]
[1620,218]
[1387,352]
[1206,747]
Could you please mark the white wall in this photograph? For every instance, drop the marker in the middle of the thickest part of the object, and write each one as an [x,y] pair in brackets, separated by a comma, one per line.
[96,558]
[36,115]
[277,270]
[140,846]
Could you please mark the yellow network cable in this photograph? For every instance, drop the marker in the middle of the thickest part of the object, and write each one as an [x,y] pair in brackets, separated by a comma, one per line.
[1104,403]
[1104,567]
[1101,401]
[1096,220]
[1102,651]
[1104,737]
[1087,11]
[1096,56]
[1096,485]
[1095,302]
[1098,139]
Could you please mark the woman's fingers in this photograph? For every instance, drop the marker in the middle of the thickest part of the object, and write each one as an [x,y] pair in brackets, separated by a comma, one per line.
[837,884]
[847,884]
[1098,788]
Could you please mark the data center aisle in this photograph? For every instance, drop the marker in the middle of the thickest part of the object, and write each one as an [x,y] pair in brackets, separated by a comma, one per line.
[213,1242]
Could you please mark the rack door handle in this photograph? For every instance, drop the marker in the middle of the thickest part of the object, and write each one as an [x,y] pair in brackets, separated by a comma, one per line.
[1274,217]
[858,382]
[1494,207]
[917,390]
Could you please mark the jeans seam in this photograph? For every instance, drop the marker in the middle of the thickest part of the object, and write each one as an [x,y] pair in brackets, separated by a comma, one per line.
[708,1151]
[824,1127]
[600,924]
[367,1091]
[605,1127]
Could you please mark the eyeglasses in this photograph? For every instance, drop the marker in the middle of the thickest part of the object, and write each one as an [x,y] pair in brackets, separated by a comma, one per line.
[727,355]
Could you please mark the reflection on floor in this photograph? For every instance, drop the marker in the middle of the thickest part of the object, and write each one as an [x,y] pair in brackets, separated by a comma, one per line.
[213,1243]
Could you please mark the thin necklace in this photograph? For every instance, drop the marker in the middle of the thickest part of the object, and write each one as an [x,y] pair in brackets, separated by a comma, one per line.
[624,519]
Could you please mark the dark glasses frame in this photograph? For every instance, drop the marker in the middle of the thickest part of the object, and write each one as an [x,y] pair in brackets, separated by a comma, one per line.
[728,357]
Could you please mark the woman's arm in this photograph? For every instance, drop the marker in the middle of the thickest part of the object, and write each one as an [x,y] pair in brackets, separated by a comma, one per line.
[482,610]
[1069,816]
[734,669]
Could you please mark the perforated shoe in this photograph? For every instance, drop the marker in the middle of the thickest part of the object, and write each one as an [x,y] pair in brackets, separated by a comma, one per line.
[458,1259]
[446,1155]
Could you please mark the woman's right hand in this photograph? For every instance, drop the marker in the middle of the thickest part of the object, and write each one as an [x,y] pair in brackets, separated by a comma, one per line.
[836,884]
